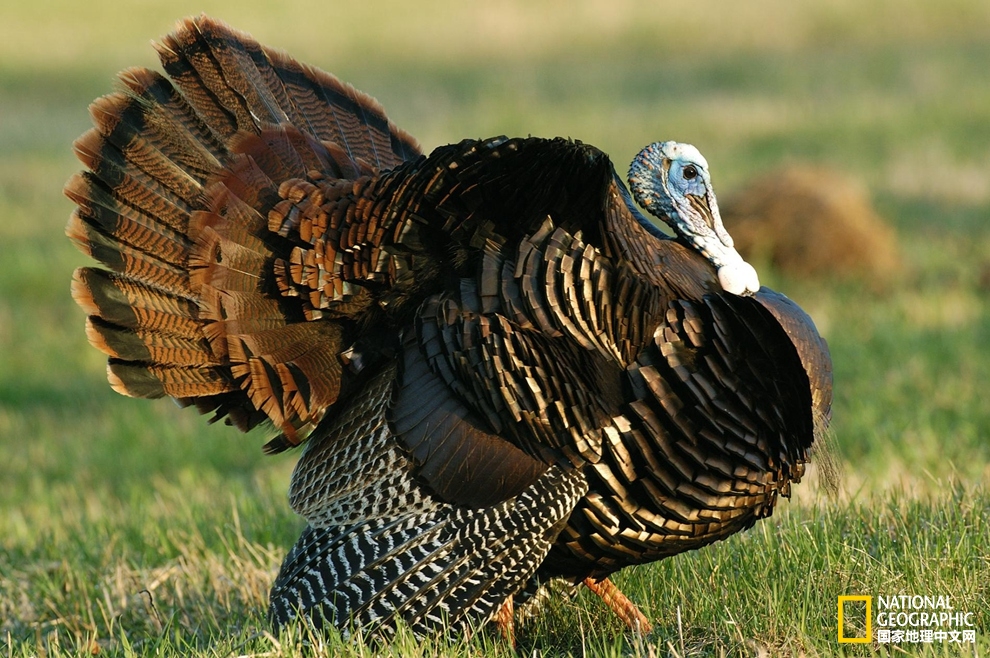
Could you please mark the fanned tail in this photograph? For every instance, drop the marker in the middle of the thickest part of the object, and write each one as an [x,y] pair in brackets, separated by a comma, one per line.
[175,205]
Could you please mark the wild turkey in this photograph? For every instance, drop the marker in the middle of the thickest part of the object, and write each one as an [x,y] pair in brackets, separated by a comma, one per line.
[506,374]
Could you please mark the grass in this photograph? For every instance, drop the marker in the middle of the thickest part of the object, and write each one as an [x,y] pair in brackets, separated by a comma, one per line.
[181,574]
[133,528]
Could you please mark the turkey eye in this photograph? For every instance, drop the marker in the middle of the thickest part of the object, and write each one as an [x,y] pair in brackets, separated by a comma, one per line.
[690,172]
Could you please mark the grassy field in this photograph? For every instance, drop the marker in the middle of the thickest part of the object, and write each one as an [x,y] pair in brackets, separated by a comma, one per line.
[133,528]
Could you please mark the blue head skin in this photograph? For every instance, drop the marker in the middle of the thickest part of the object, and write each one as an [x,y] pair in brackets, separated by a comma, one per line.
[671,181]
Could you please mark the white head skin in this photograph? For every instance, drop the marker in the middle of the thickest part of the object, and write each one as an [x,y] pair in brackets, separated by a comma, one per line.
[671,181]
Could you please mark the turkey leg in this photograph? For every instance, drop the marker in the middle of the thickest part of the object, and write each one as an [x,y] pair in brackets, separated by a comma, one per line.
[505,622]
[620,604]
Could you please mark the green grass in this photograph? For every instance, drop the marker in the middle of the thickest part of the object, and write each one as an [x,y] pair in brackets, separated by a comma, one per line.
[181,573]
[135,528]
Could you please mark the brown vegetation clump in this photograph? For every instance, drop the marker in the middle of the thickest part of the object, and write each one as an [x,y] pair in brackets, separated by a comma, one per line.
[813,222]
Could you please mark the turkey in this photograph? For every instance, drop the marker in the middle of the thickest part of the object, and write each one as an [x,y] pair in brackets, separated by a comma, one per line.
[501,372]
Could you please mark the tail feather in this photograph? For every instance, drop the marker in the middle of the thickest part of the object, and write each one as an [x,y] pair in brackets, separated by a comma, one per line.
[194,141]
[148,346]
[103,213]
[129,186]
[182,176]
[225,264]
[227,68]
[133,263]
[136,379]
[238,85]
[167,165]
[128,304]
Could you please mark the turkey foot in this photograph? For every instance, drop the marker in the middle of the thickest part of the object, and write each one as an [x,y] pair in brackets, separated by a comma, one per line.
[620,604]
[505,622]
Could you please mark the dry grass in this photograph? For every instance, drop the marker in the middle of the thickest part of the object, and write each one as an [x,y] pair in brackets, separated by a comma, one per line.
[813,222]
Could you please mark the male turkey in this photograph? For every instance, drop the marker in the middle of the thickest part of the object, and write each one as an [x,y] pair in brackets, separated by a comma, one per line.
[503,372]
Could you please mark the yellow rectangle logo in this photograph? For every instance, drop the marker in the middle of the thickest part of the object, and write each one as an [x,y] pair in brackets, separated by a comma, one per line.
[869,618]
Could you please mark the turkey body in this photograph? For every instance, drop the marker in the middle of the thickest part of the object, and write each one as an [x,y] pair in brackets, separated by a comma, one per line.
[502,372]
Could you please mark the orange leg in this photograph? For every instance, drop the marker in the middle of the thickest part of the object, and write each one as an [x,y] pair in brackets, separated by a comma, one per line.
[505,622]
[622,606]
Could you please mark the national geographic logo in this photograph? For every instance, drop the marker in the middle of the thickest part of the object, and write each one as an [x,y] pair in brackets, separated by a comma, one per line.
[904,619]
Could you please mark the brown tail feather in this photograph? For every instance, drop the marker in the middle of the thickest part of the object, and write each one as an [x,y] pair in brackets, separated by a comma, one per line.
[136,264]
[148,346]
[165,106]
[106,215]
[176,203]
[239,85]
[129,304]
[154,381]
[164,158]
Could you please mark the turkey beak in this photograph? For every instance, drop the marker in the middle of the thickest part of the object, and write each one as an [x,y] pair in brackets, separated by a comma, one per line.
[707,207]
